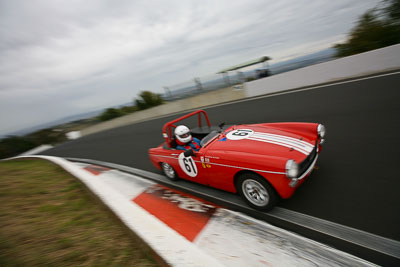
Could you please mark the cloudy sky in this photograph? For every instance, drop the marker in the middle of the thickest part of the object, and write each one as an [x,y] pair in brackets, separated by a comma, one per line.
[60,58]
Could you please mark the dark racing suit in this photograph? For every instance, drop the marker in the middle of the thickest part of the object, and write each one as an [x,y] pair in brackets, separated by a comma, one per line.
[194,144]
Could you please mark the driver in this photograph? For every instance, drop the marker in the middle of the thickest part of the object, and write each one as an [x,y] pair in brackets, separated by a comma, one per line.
[185,140]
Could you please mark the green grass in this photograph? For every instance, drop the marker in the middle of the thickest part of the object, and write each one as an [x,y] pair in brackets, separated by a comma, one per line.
[47,218]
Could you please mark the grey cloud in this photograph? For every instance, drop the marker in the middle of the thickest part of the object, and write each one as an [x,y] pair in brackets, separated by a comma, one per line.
[69,57]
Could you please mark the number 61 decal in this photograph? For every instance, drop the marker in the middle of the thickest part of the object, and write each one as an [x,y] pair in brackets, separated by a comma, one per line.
[188,165]
[239,134]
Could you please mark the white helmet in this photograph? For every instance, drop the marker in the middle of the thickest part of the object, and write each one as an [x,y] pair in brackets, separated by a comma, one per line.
[182,134]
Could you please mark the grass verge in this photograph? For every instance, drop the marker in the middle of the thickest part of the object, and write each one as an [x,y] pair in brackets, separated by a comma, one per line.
[47,217]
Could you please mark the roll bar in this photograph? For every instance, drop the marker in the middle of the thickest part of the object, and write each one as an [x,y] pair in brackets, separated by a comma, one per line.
[167,129]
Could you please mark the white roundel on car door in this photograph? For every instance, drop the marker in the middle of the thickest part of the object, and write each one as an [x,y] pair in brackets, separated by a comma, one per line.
[239,134]
[188,165]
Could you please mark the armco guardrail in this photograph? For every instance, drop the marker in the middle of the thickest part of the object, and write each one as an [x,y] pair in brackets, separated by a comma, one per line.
[384,59]
[376,61]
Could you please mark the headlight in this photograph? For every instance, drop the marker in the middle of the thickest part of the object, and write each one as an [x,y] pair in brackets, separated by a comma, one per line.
[292,169]
[321,130]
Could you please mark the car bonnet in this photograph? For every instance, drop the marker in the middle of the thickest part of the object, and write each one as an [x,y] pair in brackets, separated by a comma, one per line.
[263,140]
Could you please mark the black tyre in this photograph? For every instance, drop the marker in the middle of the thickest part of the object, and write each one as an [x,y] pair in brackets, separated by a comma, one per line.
[257,192]
[169,171]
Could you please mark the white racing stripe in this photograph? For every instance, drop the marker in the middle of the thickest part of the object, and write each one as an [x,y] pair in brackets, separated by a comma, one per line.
[301,143]
[285,141]
[280,144]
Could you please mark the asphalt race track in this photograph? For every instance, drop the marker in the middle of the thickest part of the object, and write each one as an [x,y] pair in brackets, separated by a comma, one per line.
[357,183]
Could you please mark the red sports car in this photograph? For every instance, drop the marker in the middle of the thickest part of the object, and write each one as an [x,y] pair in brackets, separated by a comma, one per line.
[262,162]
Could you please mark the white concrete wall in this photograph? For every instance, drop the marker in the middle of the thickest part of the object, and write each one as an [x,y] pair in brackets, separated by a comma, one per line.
[384,59]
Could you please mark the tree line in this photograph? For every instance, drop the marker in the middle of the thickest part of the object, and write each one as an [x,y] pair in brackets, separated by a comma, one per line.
[145,100]
[378,27]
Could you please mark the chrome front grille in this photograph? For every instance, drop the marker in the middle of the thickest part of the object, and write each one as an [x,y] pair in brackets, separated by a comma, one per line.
[305,164]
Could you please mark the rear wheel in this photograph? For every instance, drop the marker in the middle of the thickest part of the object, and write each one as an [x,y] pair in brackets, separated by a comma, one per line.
[169,171]
[257,192]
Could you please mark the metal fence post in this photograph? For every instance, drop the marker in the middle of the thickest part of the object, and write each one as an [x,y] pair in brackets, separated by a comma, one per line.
[167,91]
[225,76]
[241,77]
[198,84]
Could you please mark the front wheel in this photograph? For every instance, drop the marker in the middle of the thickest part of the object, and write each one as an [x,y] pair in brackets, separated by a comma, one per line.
[169,171]
[257,192]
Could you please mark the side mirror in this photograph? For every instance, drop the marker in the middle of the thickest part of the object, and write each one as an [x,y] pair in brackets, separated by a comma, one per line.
[221,127]
[189,153]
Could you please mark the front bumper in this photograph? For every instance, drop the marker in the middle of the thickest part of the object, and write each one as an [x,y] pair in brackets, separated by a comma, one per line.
[295,181]
[307,165]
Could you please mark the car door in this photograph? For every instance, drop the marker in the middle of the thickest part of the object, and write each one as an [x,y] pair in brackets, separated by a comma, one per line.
[189,168]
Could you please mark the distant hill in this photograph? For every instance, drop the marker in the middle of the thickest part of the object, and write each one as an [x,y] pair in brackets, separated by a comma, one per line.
[64,120]
[72,118]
